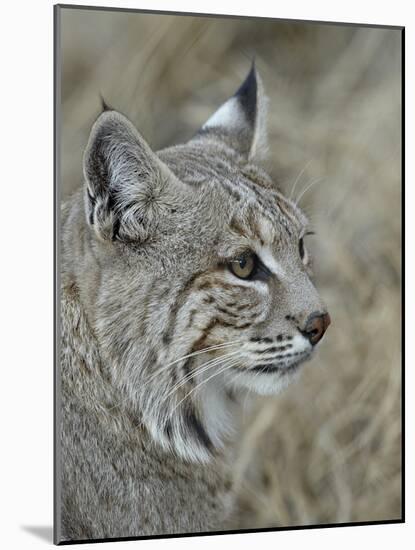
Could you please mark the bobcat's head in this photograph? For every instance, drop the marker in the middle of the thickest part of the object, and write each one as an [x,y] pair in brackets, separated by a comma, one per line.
[204,286]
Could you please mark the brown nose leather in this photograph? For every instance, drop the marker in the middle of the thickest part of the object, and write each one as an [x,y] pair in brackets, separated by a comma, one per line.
[316,326]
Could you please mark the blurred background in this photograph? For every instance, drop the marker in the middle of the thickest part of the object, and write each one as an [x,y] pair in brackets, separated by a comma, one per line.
[329,448]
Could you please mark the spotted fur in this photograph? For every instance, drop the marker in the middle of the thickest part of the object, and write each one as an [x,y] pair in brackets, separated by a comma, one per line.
[160,340]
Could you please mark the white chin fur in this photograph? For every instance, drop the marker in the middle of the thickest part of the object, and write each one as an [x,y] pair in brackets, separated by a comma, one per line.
[265,383]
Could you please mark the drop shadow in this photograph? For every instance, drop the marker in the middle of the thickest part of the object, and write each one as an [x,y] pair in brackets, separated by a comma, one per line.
[43,532]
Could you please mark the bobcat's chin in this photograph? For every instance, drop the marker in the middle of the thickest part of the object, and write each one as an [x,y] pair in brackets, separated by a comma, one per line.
[270,378]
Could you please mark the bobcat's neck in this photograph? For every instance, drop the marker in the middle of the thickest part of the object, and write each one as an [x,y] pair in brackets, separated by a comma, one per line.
[197,422]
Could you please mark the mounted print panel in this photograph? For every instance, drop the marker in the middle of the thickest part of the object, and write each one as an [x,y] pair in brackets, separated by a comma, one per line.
[228,201]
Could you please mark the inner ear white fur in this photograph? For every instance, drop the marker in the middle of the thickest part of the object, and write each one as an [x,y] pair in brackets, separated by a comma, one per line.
[230,115]
[243,118]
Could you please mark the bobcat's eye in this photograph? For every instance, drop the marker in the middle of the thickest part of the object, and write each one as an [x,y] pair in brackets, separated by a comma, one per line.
[245,266]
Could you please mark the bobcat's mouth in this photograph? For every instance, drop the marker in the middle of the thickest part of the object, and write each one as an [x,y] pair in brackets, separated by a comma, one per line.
[272,368]
[282,368]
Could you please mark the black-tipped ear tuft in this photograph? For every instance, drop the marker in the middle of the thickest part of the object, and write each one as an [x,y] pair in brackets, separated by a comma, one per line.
[247,95]
[240,122]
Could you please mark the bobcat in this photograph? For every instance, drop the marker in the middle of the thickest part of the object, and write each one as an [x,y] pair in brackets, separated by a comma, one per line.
[185,285]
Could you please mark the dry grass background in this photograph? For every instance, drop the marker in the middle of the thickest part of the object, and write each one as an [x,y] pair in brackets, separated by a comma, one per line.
[329,449]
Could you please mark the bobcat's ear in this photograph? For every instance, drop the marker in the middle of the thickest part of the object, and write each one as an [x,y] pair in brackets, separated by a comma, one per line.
[241,121]
[127,186]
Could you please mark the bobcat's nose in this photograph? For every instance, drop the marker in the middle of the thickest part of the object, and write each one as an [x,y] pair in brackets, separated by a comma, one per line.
[316,326]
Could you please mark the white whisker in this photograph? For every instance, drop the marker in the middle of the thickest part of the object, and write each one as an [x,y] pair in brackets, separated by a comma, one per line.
[199,370]
[313,182]
[220,371]
[298,178]
[188,356]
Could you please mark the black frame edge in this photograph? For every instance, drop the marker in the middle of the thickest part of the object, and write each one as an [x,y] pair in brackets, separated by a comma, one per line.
[225,16]
[56,275]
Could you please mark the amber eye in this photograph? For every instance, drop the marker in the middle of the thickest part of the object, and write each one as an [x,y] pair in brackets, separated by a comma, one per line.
[243,267]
